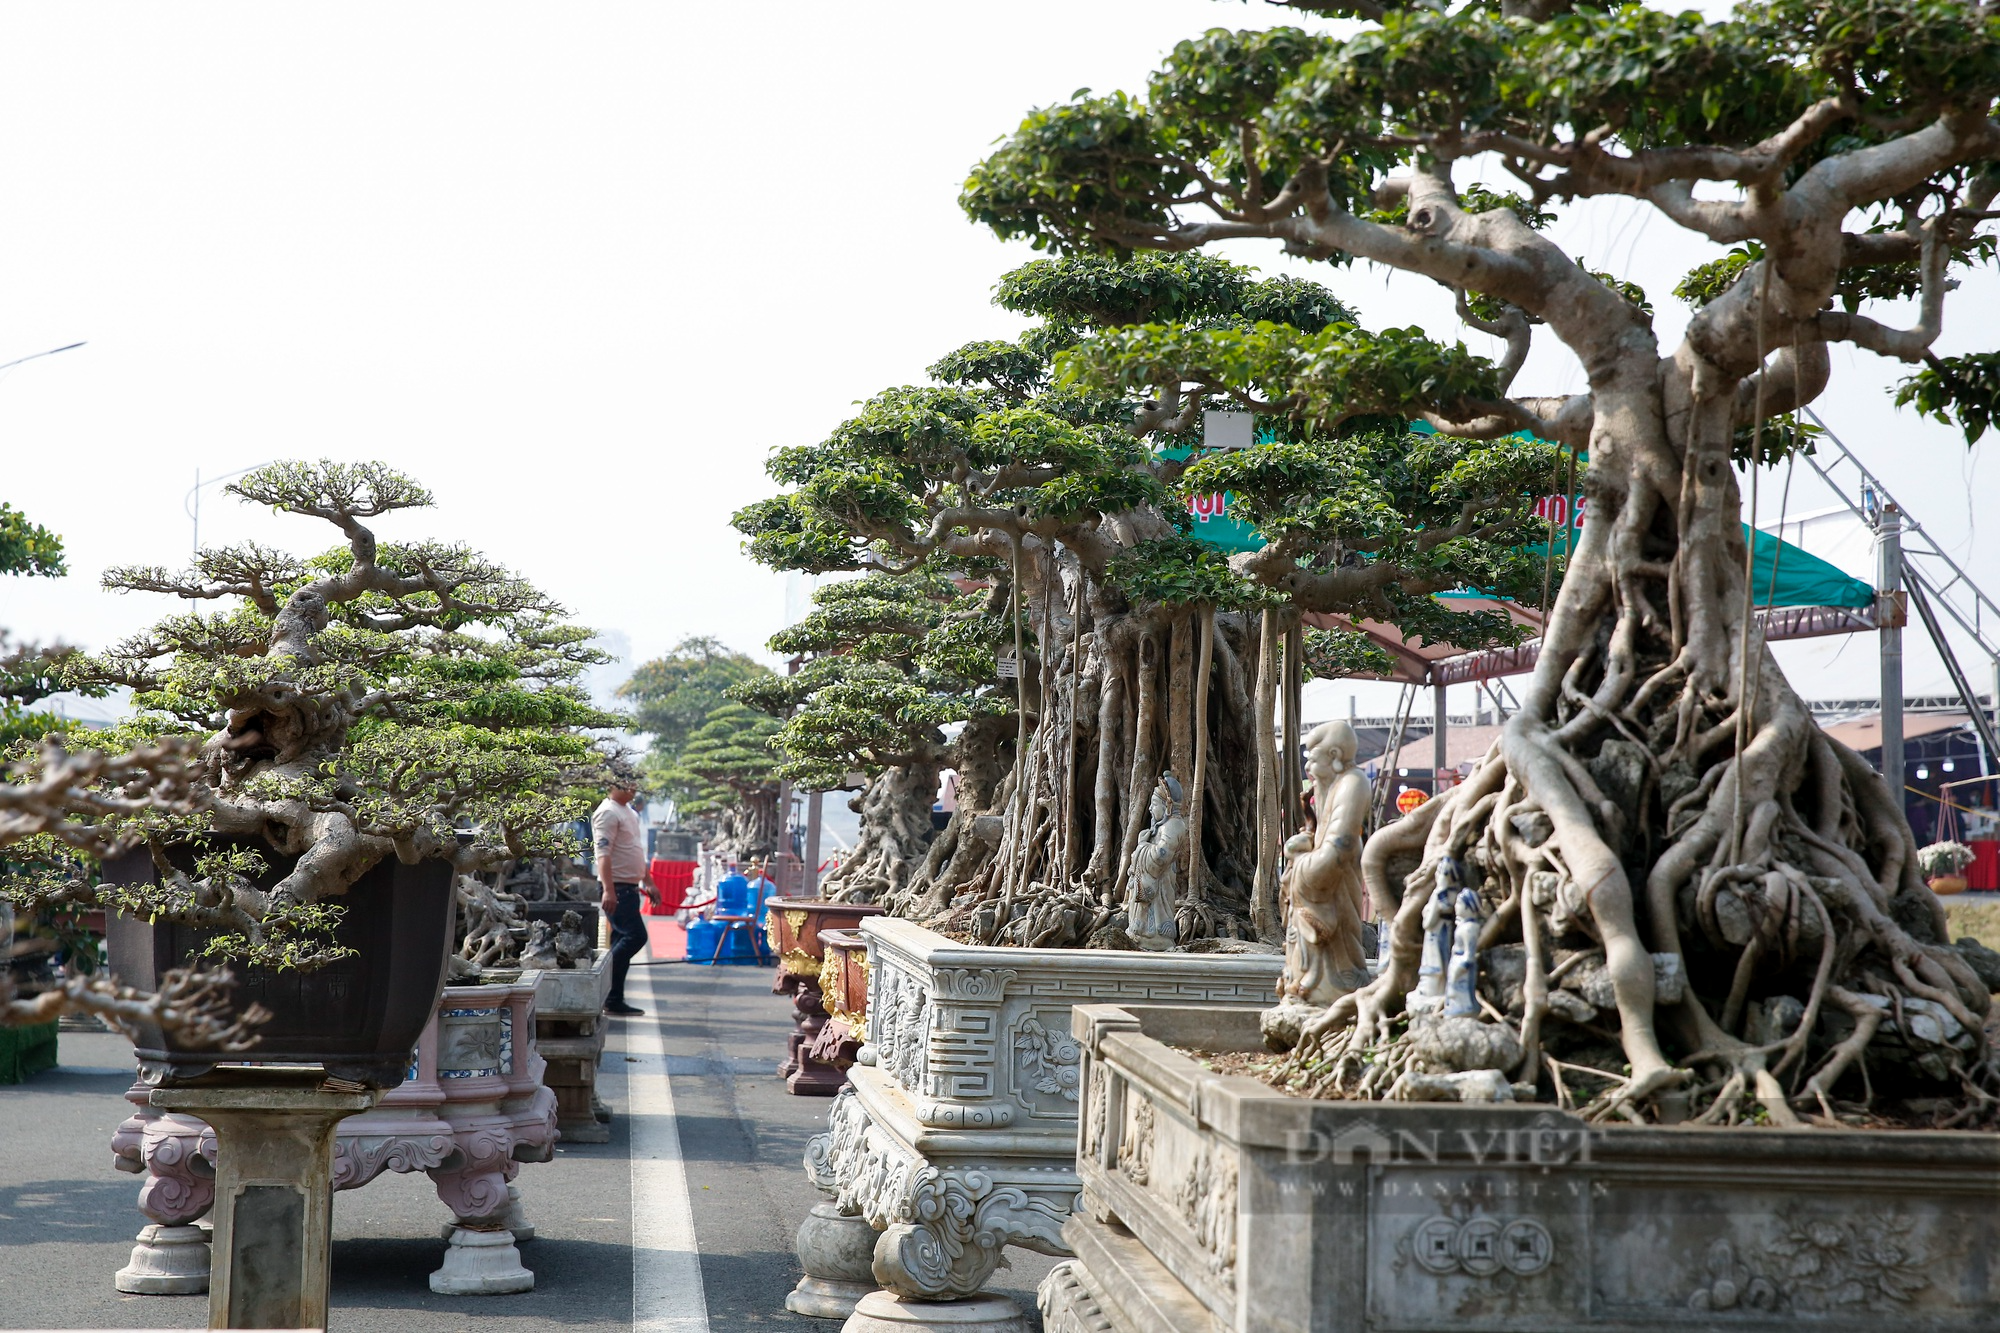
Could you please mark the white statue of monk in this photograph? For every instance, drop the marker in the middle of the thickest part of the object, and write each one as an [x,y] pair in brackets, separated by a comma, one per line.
[1156,866]
[1324,892]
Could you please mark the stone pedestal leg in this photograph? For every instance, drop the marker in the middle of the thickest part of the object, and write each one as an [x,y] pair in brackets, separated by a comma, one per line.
[517,1220]
[837,1253]
[167,1261]
[273,1192]
[886,1312]
[177,1155]
[481,1263]
[514,1219]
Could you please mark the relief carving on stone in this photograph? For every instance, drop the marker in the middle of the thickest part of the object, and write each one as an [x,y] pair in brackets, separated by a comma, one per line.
[1068,1304]
[1480,1246]
[945,1231]
[831,1156]
[1206,1197]
[976,985]
[1046,1060]
[1097,1117]
[901,1020]
[1135,1146]
[1867,1261]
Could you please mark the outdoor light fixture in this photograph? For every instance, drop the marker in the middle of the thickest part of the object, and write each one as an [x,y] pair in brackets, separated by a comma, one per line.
[1948,766]
[1922,772]
[1402,772]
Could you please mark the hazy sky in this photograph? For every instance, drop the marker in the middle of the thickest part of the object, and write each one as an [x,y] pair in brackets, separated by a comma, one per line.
[578,268]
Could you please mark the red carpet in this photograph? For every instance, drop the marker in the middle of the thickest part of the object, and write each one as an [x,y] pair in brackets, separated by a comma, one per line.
[668,942]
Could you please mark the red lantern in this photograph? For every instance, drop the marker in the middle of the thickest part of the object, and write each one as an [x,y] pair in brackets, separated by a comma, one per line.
[1409,799]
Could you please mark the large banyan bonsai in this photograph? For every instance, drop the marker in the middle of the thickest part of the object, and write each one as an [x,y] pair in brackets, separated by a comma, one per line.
[377,700]
[1663,796]
[1059,470]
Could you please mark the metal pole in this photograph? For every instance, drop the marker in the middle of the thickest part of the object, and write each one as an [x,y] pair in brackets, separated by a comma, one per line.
[1988,742]
[813,824]
[1888,600]
[1437,740]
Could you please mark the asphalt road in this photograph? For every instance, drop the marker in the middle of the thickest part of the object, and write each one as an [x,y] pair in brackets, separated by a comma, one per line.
[67,1219]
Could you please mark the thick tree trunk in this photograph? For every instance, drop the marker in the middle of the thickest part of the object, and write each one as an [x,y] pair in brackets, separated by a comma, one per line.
[1264,894]
[748,830]
[896,830]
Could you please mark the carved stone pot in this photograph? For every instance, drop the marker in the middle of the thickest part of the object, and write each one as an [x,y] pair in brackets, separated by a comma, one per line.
[357,1017]
[957,1134]
[797,925]
[1218,1203]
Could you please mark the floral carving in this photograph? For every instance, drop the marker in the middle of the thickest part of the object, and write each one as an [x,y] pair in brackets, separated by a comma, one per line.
[900,1029]
[1870,1261]
[1048,1060]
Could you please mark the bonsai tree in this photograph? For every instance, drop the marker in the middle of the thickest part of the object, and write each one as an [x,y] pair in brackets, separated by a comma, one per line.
[1663,804]
[726,773]
[708,753]
[888,663]
[61,810]
[379,699]
[1062,467]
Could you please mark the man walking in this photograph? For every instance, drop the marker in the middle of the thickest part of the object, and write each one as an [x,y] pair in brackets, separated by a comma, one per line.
[620,846]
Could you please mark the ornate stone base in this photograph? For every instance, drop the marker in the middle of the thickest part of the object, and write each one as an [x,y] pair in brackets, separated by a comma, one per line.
[1214,1202]
[886,1312]
[481,1263]
[957,1135]
[1069,1304]
[167,1261]
[837,1253]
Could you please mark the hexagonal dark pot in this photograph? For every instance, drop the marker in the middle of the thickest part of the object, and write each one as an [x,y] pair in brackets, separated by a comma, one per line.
[358,1018]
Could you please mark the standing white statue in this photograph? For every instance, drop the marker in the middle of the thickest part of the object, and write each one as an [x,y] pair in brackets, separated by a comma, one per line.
[1324,892]
[1156,867]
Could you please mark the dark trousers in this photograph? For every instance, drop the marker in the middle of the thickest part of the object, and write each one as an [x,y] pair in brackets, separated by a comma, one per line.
[628,936]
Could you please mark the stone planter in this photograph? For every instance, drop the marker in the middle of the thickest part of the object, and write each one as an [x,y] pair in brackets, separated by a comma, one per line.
[957,1134]
[357,1017]
[569,1029]
[1216,1203]
[796,927]
[470,1111]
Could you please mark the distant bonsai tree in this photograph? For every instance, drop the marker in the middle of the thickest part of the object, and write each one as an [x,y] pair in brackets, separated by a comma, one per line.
[889,663]
[707,753]
[1663,796]
[377,700]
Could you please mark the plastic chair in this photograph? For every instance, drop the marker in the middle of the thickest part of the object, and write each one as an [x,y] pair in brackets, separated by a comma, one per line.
[731,923]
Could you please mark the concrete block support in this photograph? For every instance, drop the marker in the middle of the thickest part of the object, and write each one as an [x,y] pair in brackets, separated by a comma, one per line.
[273,1191]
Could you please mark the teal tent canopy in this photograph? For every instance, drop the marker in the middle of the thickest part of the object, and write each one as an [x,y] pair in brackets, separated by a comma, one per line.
[1784,575]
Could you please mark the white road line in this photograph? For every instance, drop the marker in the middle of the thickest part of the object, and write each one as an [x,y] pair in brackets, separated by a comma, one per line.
[667,1295]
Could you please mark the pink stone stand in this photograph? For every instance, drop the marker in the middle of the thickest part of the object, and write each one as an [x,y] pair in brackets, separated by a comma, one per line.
[472,1111]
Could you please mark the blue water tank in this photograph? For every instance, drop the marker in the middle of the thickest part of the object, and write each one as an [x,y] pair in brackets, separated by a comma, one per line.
[701,941]
[733,896]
